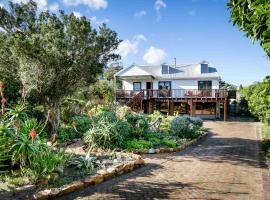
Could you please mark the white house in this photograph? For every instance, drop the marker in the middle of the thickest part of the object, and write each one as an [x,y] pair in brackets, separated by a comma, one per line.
[192,89]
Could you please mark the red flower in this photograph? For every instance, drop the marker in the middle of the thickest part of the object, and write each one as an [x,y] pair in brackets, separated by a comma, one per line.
[32,134]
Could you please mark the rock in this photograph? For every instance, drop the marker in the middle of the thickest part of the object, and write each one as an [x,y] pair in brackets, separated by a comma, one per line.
[157,151]
[66,189]
[42,181]
[171,150]
[42,195]
[98,179]
[60,169]
[89,181]
[152,151]
[162,150]
[54,192]
[101,172]
[111,170]
[140,161]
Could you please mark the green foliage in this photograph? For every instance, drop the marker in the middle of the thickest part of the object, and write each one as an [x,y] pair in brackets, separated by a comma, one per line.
[139,124]
[253,18]
[266,141]
[55,53]
[82,123]
[225,85]
[166,121]
[137,144]
[5,153]
[186,127]
[169,142]
[85,163]
[106,134]
[67,132]
[258,97]
[45,162]
[103,90]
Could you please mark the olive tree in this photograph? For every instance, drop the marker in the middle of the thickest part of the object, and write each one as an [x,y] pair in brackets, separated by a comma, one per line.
[56,53]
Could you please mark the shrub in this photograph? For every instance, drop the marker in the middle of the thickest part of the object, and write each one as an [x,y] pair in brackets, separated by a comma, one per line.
[5,153]
[82,123]
[165,125]
[123,112]
[139,123]
[45,162]
[67,133]
[186,127]
[137,144]
[169,142]
[106,134]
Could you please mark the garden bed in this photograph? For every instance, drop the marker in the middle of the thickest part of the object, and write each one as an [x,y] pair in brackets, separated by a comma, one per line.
[167,149]
[106,165]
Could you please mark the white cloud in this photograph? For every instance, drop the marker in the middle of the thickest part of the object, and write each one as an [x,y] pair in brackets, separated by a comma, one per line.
[160,4]
[41,4]
[94,4]
[192,12]
[140,13]
[154,56]
[127,47]
[54,7]
[77,14]
[97,21]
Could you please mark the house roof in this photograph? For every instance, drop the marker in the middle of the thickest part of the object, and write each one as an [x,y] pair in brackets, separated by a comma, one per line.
[180,71]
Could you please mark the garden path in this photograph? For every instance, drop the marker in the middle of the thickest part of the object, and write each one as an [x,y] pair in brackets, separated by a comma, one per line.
[227,164]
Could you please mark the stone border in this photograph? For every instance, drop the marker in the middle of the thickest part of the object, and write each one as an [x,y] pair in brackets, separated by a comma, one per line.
[102,175]
[169,150]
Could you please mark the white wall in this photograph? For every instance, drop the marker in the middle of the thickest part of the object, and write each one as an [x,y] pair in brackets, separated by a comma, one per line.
[185,84]
[128,84]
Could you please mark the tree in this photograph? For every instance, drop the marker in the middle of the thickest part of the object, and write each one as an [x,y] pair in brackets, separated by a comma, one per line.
[8,70]
[258,97]
[109,72]
[56,54]
[253,18]
[225,85]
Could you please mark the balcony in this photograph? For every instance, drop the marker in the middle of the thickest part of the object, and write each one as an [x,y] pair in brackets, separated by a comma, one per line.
[174,94]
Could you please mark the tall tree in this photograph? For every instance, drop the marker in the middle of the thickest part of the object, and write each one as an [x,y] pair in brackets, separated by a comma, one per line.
[252,17]
[56,53]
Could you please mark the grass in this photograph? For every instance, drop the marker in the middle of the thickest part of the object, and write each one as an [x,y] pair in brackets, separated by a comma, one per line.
[266,141]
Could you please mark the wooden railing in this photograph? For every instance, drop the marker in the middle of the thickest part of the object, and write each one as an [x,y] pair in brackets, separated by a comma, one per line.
[175,93]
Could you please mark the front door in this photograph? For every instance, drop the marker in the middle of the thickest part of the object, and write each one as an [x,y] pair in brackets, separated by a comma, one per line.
[149,87]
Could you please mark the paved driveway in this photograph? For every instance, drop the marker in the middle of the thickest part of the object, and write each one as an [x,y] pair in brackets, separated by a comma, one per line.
[226,165]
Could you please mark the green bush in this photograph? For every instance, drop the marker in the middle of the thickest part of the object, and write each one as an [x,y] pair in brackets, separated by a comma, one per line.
[82,123]
[107,134]
[266,141]
[186,127]
[66,133]
[139,124]
[137,144]
[45,162]
[5,153]
[165,125]
[169,142]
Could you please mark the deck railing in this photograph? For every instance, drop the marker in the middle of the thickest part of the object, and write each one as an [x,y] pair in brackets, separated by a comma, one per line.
[175,93]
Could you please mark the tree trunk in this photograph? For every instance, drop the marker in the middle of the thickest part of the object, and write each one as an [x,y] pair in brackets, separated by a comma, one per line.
[54,118]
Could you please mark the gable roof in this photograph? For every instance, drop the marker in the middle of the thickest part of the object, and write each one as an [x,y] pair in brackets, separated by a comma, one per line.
[180,71]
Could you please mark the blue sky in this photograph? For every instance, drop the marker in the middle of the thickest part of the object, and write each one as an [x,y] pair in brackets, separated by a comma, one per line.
[156,31]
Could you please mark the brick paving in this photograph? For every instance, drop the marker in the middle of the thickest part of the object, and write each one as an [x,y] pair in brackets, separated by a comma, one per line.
[226,165]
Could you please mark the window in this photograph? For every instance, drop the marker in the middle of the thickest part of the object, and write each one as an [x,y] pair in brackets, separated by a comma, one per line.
[204,68]
[165,69]
[164,85]
[204,85]
[137,86]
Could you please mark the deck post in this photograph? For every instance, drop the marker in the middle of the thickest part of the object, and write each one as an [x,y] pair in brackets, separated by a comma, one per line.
[225,110]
